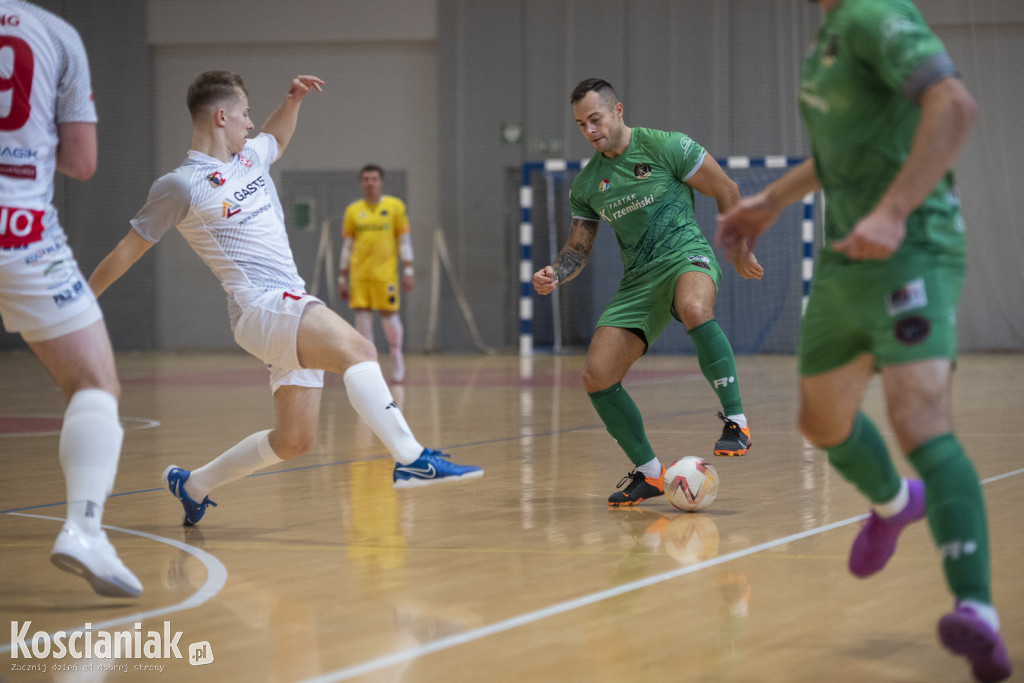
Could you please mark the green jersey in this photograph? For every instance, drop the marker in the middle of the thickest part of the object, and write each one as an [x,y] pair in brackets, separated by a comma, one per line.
[858,97]
[643,194]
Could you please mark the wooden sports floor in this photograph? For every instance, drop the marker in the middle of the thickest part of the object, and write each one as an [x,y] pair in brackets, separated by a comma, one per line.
[317,570]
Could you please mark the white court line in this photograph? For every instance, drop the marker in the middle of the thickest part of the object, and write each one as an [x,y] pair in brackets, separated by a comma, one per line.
[559,608]
[394,658]
[1003,476]
[216,576]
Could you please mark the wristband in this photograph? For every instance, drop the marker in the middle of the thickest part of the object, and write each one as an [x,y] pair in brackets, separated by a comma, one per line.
[407,271]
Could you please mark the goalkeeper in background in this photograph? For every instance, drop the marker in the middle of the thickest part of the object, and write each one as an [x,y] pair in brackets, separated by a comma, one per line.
[887,114]
[375,235]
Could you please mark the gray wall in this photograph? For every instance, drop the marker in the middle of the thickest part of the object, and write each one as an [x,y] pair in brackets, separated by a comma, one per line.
[726,73]
[676,66]
[379,105]
[422,87]
[989,50]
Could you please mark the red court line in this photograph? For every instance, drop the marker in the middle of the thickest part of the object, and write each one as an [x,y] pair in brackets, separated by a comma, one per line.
[30,424]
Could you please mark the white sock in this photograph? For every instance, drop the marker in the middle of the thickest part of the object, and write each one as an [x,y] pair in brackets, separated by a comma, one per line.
[364,324]
[370,396]
[89,448]
[651,469]
[740,419]
[987,613]
[896,505]
[245,457]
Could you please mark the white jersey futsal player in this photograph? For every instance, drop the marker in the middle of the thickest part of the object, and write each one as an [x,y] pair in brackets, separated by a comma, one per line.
[224,203]
[49,125]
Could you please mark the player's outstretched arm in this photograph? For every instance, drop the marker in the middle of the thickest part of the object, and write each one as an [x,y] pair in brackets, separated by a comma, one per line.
[282,122]
[115,264]
[571,259]
[740,226]
[711,181]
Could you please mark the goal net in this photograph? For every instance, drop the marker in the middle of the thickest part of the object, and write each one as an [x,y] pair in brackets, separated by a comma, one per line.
[758,316]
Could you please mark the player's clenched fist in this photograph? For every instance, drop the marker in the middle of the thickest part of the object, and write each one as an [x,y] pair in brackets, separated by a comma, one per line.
[544,280]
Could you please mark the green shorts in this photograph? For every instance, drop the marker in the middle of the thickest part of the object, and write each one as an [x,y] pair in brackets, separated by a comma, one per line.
[644,304]
[899,311]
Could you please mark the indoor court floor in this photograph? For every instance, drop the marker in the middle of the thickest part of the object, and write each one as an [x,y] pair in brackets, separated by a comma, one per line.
[318,570]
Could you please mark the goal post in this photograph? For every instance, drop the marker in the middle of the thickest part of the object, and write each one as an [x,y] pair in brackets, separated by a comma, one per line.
[526,268]
[545,183]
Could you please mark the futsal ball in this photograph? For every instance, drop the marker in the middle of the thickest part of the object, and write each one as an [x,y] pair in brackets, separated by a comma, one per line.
[691,483]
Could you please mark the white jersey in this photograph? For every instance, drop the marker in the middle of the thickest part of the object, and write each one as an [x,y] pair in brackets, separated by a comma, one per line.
[45,73]
[230,215]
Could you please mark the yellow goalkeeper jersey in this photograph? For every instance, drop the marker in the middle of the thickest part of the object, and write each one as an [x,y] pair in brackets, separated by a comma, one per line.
[375,231]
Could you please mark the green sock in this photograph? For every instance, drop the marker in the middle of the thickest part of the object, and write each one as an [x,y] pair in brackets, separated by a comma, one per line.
[863,460]
[717,362]
[956,515]
[624,422]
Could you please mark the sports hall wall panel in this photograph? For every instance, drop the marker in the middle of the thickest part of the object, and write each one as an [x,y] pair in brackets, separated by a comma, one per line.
[426,86]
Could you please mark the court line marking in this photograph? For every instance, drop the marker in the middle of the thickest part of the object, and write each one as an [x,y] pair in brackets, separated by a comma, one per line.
[448,642]
[216,577]
[559,608]
[133,423]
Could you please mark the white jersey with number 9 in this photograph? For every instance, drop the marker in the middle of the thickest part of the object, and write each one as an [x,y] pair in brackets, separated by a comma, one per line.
[44,81]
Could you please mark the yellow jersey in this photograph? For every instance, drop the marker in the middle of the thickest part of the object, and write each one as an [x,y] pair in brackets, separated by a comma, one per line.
[375,231]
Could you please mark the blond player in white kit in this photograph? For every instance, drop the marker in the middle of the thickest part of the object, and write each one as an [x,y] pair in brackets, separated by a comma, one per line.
[50,125]
[223,201]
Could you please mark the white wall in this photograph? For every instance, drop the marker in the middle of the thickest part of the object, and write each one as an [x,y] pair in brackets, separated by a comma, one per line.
[725,71]
[380,105]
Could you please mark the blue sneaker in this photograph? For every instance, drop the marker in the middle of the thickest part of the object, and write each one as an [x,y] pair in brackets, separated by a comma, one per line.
[175,478]
[430,468]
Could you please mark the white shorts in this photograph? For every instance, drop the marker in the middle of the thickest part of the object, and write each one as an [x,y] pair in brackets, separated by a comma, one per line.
[268,329]
[43,294]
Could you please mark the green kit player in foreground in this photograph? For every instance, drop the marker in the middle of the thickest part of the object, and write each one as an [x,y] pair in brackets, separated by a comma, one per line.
[887,114]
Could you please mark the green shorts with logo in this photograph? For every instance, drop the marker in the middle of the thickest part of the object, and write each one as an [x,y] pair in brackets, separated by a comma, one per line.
[898,310]
[645,302]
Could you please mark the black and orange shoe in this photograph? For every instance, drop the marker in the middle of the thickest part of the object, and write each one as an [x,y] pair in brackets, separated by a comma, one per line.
[638,489]
[735,440]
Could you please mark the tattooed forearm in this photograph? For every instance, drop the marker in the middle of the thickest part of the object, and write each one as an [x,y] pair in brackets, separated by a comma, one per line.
[574,256]
[568,264]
